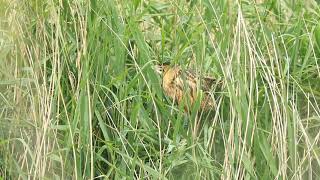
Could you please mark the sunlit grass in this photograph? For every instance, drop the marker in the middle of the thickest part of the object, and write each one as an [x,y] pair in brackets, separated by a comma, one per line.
[80,98]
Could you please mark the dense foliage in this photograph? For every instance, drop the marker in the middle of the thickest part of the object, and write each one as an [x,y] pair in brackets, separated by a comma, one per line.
[79,98]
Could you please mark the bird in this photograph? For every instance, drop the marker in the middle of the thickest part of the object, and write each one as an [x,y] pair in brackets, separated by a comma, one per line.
[183,86]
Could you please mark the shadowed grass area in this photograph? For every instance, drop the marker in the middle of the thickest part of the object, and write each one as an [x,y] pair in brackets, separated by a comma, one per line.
[80,99]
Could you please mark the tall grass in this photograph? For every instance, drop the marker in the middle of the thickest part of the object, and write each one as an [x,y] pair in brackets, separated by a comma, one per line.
[80,98]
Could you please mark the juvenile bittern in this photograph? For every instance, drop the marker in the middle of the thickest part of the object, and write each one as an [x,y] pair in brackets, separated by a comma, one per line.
[185,86]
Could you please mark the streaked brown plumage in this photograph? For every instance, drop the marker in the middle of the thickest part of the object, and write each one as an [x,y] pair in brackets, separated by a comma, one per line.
[184,86]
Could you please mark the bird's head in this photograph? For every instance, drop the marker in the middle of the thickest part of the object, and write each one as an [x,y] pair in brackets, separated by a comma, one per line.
[162,68]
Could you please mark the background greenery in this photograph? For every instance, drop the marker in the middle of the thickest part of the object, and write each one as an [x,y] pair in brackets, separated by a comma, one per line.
[79,98]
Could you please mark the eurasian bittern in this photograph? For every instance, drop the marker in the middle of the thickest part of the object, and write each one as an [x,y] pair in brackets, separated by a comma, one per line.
[184,86]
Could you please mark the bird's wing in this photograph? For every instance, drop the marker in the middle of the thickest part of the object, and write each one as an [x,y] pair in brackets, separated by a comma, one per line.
[208,82]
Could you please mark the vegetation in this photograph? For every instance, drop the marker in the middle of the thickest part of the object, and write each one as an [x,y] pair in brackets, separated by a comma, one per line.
[79,98]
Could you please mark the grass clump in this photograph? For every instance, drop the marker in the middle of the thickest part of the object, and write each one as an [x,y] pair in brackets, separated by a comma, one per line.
[80,98]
